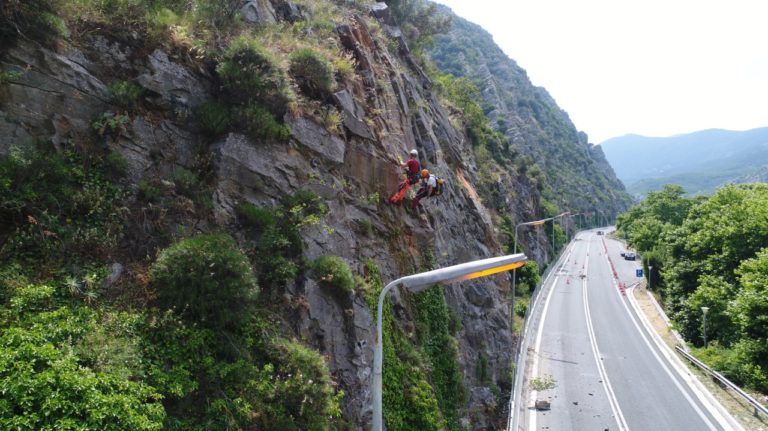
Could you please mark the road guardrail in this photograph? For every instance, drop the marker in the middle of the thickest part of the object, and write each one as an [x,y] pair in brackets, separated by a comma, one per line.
[759,408]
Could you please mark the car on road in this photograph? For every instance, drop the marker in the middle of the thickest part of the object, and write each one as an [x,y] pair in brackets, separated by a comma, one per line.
[630,255]
[599,232]
[623,253]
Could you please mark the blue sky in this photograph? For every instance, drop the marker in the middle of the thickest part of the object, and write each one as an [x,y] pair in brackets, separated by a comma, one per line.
[651,67]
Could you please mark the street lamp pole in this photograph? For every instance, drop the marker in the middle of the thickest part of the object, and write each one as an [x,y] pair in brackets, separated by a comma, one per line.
[704,310]
[419,282]
[650,276]
[514,271]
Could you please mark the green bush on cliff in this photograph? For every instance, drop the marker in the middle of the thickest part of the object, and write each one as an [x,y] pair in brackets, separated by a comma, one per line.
[333,273]
[261,124]
[250,74]
[208,280]
[57,205]
[313,73]
[214,118]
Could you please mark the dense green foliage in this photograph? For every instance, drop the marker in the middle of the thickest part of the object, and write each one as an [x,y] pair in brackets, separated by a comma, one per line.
[56,206]
[203,275]
[711,252]
[207,358]
[50,368]
[441,350]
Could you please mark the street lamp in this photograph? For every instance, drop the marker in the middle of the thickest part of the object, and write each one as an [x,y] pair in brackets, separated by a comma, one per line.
[419,282]
[650,276]
[704,310]
[514,272]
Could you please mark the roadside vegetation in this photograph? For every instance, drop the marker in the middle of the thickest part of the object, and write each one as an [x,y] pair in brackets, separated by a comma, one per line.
[711,252]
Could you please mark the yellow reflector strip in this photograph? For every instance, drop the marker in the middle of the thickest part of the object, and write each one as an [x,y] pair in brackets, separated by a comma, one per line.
[536,223]
[492,271]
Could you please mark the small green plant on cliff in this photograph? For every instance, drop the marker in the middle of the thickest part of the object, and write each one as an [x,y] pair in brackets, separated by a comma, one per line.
[261,124]
[313,73]
[110,124]
[255,217]
[7,76]
[333,273]
[330,118]
[125,94]
[278,247]
[203,275]
[214,118]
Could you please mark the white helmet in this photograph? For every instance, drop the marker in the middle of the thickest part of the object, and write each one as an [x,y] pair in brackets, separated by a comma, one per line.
[414,152]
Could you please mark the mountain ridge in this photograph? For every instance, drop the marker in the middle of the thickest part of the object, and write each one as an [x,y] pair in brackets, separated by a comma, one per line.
[701,161]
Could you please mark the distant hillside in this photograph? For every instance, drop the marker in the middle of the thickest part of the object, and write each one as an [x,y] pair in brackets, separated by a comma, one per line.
[700,161]
[542,139]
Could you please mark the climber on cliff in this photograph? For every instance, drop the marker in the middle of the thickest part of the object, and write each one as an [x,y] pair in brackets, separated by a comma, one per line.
[412,168]
[428,187]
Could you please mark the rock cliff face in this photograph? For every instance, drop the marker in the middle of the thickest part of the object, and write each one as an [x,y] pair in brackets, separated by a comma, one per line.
[61,91]
[388,108]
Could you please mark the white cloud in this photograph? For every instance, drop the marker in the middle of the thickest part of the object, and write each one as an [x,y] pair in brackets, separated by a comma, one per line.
[655,67]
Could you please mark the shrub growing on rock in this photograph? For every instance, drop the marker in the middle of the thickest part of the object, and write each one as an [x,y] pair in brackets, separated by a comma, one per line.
[333,273]
[313,73]
[208,279]
[251,75]
[214,118]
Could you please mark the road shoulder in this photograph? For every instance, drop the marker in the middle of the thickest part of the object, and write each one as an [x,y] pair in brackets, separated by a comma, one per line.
[736,406]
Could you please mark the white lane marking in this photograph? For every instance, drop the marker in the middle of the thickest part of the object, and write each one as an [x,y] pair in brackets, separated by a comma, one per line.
[612,401]
[713,406]
[688,398]
[537,344]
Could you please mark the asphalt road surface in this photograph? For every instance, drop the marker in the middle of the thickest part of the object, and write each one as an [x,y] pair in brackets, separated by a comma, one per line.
[610,372]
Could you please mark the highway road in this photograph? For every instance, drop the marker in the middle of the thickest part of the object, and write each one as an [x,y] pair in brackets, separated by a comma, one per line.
[610,371]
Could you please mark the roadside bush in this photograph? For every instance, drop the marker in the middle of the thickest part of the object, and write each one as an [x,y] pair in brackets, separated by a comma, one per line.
[313,73]
[333,273]
[299,394]
[208,279]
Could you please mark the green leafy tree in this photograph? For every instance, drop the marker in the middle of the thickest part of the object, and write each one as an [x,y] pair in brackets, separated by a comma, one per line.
[208,280]
[48,384]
